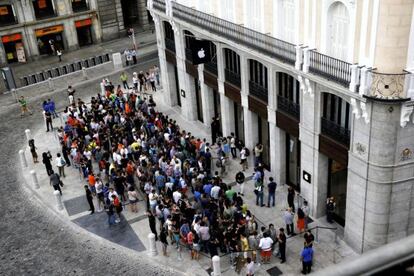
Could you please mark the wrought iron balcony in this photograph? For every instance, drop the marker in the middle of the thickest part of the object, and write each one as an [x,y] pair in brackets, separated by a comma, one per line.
[289,107]
[273,47]
[258,91]
[333,69]
[170,44]
[211,67]
[233,77]
[189,54]
[335,131]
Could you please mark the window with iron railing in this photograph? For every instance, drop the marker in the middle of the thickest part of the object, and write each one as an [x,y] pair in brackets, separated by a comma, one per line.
[288,98]
[80,5]
[212,65]
[7,15]
[169,36]
[232,67]
[335,121]
[43,9]
[189,38]
[258,83]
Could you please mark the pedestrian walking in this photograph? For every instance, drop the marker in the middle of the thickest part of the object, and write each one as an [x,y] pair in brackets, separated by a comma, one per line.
[71,94]
[265,245]
[89,198]
[240,182]
[306,257]
[59,54]
[250,267]
[23,106]
[291,198]
[288,218]
[109,208]
[330,209]
[258,150]
[48,120]
[117,206]
[157,74]
[300,222]
[52,108]
[133,199]
[134,55]
[124,79]
[244,153]
[152,224]
[233,145]
[306,212]
[46,159]
[152,81]
[271,188]
[55,181]
[282,245]
[135,81]
[60,163]
[164,241]
[309,238]
[33,150]
[258,190]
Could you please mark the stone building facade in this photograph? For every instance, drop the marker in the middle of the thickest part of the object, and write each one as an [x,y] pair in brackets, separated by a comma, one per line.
[325,86]
[32,28]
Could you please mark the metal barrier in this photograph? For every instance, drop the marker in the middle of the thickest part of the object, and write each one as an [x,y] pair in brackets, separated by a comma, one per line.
[64,69]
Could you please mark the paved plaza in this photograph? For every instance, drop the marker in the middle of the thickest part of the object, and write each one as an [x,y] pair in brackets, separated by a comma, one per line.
[133,232]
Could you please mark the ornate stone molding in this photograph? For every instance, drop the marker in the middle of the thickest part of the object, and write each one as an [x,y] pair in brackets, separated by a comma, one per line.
[308,88]
[168,8]
[355,109]
[175,28]
[365,113]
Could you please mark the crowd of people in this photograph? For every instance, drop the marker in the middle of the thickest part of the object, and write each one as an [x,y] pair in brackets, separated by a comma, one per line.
[125,149]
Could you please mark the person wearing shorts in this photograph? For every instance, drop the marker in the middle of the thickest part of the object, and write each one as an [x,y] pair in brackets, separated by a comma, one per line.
[266,246]
[23,106]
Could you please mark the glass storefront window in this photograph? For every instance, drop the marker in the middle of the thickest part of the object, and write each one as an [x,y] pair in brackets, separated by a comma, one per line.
[80,5]
[43,8]
[337,184]
[7,15]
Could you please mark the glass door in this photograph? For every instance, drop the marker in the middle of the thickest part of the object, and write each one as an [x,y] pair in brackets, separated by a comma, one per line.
[265,141]
[198,100]
[177,87]
[239,122]
[293,161]
[337,185]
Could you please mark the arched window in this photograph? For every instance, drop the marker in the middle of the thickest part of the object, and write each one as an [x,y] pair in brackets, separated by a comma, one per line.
[338,31]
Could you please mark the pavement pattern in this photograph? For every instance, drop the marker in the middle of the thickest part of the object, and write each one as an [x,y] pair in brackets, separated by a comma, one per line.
[34,240]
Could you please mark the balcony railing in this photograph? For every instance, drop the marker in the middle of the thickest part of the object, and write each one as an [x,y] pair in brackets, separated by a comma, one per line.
[233,77]
[159,5]
[211,67]
[258,91]
[189,54]
[263,43]
[289,107]
[335,131]
[170,44]
[331,68]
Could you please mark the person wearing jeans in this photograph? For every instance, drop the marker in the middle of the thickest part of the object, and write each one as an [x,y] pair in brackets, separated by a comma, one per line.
[271,186]
[259,193]
[60,163]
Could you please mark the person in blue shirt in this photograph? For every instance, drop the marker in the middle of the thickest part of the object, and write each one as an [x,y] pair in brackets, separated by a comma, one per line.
[52,108]
[307,258]
[207,189]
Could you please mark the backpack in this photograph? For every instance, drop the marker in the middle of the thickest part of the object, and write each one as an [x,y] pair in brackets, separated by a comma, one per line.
[247,152]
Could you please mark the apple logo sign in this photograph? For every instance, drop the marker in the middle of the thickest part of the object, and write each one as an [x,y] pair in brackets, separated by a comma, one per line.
[201,53]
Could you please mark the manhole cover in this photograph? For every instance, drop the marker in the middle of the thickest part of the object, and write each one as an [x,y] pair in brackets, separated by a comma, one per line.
[274,271]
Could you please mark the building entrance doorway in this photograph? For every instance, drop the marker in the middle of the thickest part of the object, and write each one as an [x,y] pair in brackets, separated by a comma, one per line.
[293,161]
[177,86]
[48,44]
[337,184]
[130,12]
[217,106]
[198,100]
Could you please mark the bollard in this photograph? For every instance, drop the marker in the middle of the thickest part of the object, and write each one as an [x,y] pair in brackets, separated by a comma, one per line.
[28,134]
[84,75]
[59,203]
[15,96]
[23,161]
[216,266]
[35,181]
[51,85]
[152,245]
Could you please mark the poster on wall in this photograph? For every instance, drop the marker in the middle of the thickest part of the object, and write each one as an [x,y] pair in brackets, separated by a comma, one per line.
[21,57]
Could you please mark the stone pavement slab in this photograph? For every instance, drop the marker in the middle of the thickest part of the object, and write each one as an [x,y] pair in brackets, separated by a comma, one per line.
[122,233]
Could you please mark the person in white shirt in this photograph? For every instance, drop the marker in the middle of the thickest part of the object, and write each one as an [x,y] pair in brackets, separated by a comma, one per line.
[250,268]
[153,197]
[265,245]
[60,163]
[112,192]
[214,193]
[177,196]
[233,145]
[243,159]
